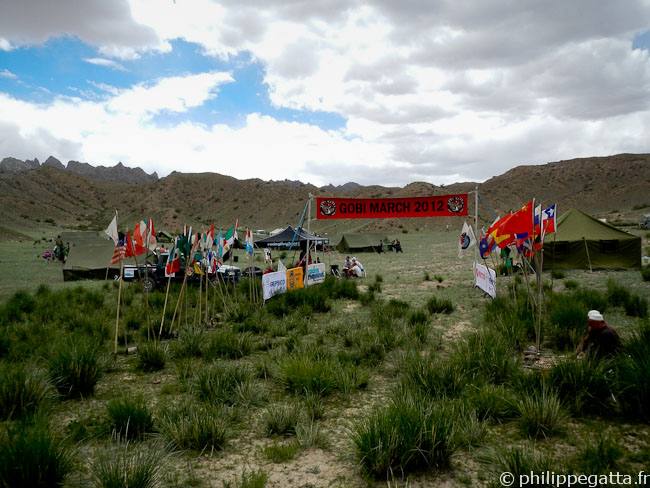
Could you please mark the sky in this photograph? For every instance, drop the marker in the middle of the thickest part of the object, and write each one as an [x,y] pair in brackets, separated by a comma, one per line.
[379,92]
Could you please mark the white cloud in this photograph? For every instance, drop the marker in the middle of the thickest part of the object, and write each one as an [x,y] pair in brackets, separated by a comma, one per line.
[107,63]
[8,74]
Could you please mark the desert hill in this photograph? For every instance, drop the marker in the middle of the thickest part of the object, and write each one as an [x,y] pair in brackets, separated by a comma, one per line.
[44,195]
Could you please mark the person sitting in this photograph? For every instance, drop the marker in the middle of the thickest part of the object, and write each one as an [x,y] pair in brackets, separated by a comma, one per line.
[347,267]
[357,268]
[601,339]
[398,246]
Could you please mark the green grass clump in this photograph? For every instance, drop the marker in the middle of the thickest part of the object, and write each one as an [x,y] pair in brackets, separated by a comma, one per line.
[151,357]
[410,433]
[558,274]
[439,305]
[75,366]
[512,319]
[488,355]
[520,462]
[197,427]
[226,343]
[645,273]
[32,455]
[583,384]
[189,344]
[19,305]
[124,466]
[600,457]
[540,414]
[253,479]
[418,318]
[632,382]
[129,417]
[636,306]
[571,284]
[617,294]
[223,383]
[281,453]
[282,419]
[568,322]
[23,391]
[433,376]
[493,403]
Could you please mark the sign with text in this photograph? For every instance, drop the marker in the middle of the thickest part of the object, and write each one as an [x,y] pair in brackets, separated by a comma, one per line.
[384,208]
[315,273]
[294,278]
[486,279]
[274,284]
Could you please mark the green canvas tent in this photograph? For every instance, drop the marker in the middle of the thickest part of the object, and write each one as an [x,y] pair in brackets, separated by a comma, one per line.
[583,242]
[90,256]
[361,242]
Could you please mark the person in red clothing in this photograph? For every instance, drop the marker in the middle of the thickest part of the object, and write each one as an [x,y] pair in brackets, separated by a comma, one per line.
[601,339]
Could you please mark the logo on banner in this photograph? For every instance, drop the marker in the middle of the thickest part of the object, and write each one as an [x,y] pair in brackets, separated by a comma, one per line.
[464,240]
[328,207]
[456,205]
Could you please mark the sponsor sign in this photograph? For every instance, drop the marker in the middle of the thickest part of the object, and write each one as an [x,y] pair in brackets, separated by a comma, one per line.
[315,273]
[383,208]
[486,279]
[294,278]
[273,284]
[129,272]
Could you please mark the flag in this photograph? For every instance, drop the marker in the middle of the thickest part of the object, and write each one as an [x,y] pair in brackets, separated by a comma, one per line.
[174,260]
[119,252]
[219,243]
[281,267]
[249,242]
[485,245]
[467,239]
[548,218]
[111,230]
[139,236]
[521,222]
[496,233]
[130,250]
[151,236]
[230,237]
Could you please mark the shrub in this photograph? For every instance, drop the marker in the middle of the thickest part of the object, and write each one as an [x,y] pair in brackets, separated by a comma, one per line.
[592,299]
[568,322]
[23,391]
[520,462]
[582,384]
[196,427]
[130,417]
[189,344]
[440,305]
[303,374]
[427,276]
[558,274]
[540,414]
[122,466]
[571,285]
[486,354]
[632,367]
[512,319]
[493,403]
[600,457]
[281,419]
[151,356]
[645,273]
[224,383]
[226,343]
[417,318]
[411,432]
[254,479]
[281,453]
[75,366]
[617,294]
[31,455]
[433,376]
[637,306]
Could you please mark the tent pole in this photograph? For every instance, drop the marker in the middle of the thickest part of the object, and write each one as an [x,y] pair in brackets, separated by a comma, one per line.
[588,258]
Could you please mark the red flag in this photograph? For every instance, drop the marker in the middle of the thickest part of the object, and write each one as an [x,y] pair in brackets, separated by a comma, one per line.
[174,260]
[501,237]
[130,251]
[521,222]
[118,254]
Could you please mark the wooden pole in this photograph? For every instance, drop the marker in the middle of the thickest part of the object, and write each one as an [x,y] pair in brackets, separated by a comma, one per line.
[180,297]
[588,258]
[162,320]
[117,318]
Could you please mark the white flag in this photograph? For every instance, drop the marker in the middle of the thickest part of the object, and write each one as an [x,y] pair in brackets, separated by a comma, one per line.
[467,239]
[281,267]
[111,230]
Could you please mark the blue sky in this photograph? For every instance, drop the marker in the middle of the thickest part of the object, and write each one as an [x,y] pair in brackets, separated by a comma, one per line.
[373,92]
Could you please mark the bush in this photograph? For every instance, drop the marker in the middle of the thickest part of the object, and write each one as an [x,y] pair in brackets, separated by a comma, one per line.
[197,427]
[540,414]
[304,374]
[226,343]
[645,273]
[75,366]
[512,319]
[487,355]
[558,274]
[23,391]
[617,294]
[281,453]
[582,385]
[281,419]
[520,462]
[493,403]
[434,377]
[571,285]
[410,433]
[637,306]
[224,383]
[151,357]
[568,322]
[601,457]
[632,383]
[439,305]
[130,417]
[31,455]
[121,466]
[189,344]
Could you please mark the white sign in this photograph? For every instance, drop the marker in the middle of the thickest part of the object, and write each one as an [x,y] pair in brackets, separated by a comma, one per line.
[315,273]
[274,283]
[486,279]
[129,272]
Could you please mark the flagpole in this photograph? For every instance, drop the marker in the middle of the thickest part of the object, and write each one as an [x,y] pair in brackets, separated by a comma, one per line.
[162,320]
[117,318]
[305,280]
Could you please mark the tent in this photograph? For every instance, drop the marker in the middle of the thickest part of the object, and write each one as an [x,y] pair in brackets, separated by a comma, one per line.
[284,238]
[361,242]
[583,242]
[90,256]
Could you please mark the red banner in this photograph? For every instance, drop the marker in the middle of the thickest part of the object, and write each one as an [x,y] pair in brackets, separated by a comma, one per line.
[383,208]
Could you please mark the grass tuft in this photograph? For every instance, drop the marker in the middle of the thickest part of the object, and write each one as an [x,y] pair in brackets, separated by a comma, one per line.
[75,366]
[152,356]
[130,418]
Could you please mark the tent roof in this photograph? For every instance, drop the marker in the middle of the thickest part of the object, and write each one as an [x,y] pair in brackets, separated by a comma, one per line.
[575,225]
[287,235]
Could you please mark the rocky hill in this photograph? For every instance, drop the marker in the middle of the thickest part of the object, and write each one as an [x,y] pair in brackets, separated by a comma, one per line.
[31,199]
[119,172]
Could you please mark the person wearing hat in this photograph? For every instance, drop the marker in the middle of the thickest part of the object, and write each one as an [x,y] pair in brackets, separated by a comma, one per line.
[601,340]
[357,268]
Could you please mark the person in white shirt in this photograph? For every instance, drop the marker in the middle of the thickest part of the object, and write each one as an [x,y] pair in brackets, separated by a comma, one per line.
[357,268]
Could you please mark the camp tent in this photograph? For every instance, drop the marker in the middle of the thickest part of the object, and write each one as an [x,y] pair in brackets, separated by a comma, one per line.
[367,242]
[284,238]
[90,256]
[582,241]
